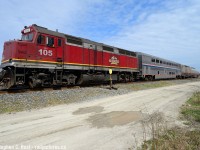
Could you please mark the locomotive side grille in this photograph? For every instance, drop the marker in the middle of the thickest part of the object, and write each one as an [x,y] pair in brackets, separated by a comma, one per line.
[74,40]
[125,52]
[122,51]
[108,48]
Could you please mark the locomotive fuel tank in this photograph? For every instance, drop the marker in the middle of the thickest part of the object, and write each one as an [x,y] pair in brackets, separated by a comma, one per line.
[91,78]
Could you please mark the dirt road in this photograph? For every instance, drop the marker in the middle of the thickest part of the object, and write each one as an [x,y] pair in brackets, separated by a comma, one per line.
[107,123]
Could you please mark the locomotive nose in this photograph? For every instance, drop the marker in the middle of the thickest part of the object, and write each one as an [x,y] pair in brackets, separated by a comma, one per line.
[9,51]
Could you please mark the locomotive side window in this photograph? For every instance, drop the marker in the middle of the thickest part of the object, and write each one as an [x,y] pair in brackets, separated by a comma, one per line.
[41,39]
[50,41]
[59,42]
[153,60]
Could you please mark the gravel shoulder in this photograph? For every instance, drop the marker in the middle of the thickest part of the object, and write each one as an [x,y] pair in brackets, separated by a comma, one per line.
[107,122]
[27,101]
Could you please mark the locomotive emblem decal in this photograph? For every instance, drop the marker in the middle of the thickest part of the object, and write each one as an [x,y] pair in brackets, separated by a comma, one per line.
[113,60]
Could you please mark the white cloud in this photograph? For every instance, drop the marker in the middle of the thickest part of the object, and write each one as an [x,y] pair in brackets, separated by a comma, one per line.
[173,33]
[66,16]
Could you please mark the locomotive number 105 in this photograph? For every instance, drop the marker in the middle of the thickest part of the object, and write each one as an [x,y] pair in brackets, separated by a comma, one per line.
[45,52]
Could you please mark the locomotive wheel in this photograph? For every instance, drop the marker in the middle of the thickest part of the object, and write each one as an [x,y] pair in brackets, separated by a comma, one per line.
[30,83]
[8,79]
[34,83]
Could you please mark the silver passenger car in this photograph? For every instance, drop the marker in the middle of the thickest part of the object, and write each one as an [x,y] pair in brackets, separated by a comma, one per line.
[188,72]
[152,67]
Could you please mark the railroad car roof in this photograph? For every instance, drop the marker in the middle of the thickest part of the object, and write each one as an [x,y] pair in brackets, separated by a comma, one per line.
[140,53]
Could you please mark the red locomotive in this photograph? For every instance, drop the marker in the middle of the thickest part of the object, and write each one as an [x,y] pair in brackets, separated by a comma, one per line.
[45,58]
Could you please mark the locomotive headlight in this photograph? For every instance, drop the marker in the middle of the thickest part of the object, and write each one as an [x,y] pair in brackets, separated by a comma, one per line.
[27,30]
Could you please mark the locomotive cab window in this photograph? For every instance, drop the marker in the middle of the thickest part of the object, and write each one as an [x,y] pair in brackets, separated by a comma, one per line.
[27,37]
[50,41]
[41,39]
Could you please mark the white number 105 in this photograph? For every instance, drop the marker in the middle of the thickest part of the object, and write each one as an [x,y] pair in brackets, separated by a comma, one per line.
[45,52]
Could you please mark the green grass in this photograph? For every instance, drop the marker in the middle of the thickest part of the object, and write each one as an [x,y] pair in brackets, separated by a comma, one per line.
[195,99]
[195,114]
[191,110]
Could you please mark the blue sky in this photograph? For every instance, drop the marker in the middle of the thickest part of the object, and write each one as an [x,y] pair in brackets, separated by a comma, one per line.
[166,28]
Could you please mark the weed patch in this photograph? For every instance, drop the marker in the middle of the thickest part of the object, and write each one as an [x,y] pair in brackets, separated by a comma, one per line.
[176,138]
[191,110]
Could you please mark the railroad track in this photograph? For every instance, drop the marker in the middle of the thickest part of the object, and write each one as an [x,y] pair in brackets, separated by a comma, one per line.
[105,85]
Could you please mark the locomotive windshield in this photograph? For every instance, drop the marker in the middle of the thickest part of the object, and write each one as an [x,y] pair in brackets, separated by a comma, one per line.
[27,37]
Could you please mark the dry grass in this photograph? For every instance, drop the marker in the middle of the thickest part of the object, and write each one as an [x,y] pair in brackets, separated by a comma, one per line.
[174,139]
[146,85]
[164,138]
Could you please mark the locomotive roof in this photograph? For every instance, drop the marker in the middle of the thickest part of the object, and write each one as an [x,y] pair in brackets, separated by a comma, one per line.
[66,36]
[55,33]
[47,31]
